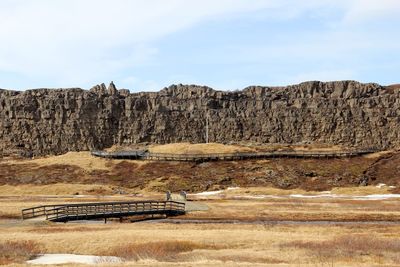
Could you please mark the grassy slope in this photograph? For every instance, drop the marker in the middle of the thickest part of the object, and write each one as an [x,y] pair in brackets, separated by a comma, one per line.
[109,175]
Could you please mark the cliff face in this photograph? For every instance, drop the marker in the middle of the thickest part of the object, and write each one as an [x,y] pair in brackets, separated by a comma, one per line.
[53,121]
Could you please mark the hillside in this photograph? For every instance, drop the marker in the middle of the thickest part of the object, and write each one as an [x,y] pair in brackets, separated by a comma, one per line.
[97,175]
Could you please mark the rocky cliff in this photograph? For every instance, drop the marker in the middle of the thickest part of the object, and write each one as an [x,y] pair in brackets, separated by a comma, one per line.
[53,121]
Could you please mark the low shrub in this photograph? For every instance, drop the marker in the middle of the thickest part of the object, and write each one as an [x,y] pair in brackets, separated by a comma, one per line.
[6,216]
[17,251]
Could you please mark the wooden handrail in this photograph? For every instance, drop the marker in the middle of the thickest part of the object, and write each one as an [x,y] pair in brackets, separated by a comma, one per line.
[78,211]
[222,156]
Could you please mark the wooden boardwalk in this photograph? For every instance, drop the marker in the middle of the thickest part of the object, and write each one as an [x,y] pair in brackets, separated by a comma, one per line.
[103,210]
[229,156]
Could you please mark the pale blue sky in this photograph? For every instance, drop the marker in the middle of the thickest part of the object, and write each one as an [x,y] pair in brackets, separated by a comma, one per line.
[226,44]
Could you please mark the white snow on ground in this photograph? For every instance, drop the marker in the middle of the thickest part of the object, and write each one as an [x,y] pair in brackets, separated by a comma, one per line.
[233,188]
[315,196]
[73,258]
[377,197]
[366,197]
[208,193]
[257,197]
[324,194]
[250,197]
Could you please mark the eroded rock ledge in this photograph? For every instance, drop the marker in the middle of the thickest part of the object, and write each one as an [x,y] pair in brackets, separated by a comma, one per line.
[53,121]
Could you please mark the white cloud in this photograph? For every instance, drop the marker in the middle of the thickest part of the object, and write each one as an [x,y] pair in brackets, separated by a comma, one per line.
[361,10]
[81,42]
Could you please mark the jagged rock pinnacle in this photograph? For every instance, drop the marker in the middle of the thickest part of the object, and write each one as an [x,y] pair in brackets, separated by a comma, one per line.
[112,90]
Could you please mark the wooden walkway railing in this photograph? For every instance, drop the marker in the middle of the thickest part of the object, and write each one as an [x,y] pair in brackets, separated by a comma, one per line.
[229,156]
[134,154]
[99,210]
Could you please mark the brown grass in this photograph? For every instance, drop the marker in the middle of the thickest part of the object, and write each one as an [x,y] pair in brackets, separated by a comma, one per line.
[248,244]
[250,259]
[164,244]
[349,247]
[297,209]
[56,189]
[6,215]
[187,148]
[80,159]
[160,251]
[58,229]
[317,147]
[17,251]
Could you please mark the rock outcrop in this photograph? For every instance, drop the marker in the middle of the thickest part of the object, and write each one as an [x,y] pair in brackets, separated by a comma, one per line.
[53,121]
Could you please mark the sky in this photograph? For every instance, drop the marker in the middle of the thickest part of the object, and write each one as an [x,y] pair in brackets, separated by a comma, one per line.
[145,45]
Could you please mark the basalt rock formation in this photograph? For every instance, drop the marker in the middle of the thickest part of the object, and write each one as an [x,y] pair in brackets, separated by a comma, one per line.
[54,121]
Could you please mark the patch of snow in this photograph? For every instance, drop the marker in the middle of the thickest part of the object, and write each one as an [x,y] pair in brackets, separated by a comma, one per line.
[208,193]
[73,258]
[272,196]
[249,197]
[366,197]
[377,197]
[381,185]
[392,186]
[258,197]
[314,196]
[233,188]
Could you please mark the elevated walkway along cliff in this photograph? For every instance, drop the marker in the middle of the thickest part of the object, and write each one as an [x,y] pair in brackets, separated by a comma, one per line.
[145,155]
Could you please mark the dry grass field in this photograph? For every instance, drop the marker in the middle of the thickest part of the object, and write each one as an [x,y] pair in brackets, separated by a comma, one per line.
[273,212]
[209,148]
[237,230]
[146,244]
[187,148]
